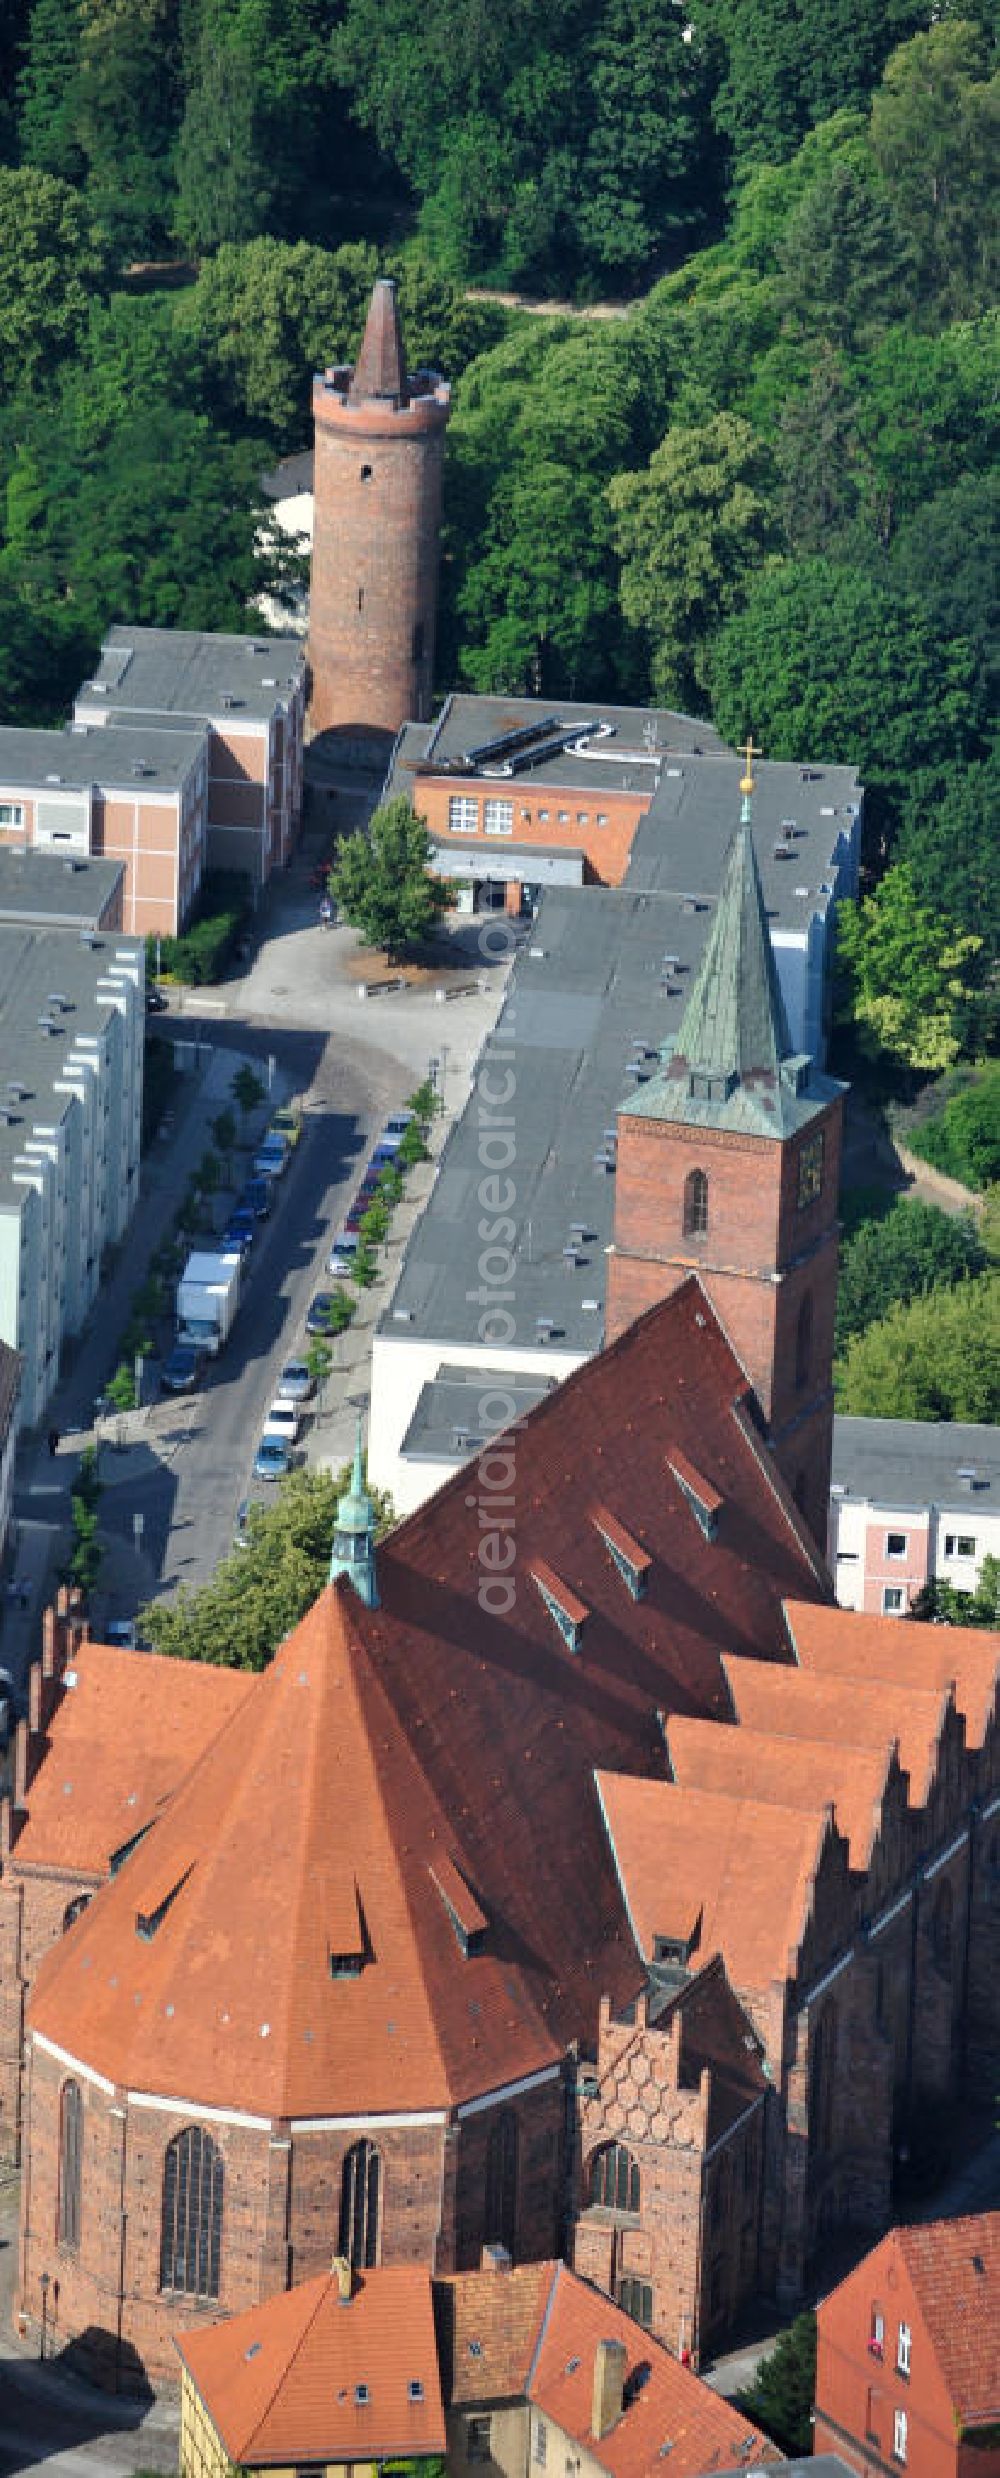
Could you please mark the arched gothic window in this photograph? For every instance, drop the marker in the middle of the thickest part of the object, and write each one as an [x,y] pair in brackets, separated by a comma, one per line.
[361,2206]
[191,2224]
[501,2182]
[695,1202]
[614,2178]
[70,2164]
[822,2075]
[803,1342]
[942,1927]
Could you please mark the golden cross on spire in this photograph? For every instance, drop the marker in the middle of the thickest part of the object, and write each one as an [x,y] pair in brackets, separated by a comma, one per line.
[750,752]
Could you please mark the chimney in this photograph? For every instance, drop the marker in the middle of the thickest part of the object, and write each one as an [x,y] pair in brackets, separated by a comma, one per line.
[495,2258]
[609,2387]
[341,2271]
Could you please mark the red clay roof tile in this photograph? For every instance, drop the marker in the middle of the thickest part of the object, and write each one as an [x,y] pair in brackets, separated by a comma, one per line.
[955,2269]
[280,2383]
[847,1711]
[664,2404]
[805,1773]
[120,1741]
[750,1868]
[928,1657]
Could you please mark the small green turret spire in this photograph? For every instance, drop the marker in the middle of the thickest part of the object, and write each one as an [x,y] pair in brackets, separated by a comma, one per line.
[353,1551]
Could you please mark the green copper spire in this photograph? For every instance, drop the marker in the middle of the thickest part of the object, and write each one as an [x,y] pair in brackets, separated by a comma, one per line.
[734,1025]
[353,1551]
[731,1065]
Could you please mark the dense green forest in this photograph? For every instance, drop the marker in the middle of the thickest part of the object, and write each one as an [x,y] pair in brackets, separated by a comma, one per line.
[765,489]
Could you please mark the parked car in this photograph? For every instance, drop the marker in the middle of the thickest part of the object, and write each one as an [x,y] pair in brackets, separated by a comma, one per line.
[342,1254]
[181,1371]
[270,1159]
[156,1002]
[237,1237]
[282,1420]
[273,1458]
[317,1318]
[120,1631]
[287,1124]
[386,1154]
[257,1199]
[295,1383]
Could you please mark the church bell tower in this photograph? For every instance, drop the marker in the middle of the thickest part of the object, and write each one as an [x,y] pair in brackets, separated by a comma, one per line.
[729,1167]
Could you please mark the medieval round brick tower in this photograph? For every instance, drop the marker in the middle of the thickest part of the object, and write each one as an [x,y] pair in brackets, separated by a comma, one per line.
[379,455]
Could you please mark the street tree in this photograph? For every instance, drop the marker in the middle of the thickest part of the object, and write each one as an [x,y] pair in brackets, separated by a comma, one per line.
[247,1089]
[383,883]
[781,2394]
[259,1593]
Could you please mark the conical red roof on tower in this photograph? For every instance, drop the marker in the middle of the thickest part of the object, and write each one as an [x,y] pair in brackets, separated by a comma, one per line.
[380,369]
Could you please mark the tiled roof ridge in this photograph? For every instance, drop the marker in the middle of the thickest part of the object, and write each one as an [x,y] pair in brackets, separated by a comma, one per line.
[780,1490]
[941,1699]
[544,2320]
[360,1663]
[809,1833]
[324,2285]
[692,1727]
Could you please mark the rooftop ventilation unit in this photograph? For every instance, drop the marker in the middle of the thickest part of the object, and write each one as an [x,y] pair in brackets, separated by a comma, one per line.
[89,937]
[141,766]
[571,1256]
[510,742]
[57,999]
[604,1161]
[47,1024]
[968,1476]
[53,778]
[545,1327]
[16,1091]
[229,701]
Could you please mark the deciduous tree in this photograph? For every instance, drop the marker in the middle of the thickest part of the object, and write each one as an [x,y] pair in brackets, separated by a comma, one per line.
[936,1358]
[907,972]
[382,881]
[913,1249]
[690,531]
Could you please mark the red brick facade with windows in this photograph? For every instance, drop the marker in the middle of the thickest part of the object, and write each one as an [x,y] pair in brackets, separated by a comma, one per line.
[600,824]
[907,2365]
[376,540]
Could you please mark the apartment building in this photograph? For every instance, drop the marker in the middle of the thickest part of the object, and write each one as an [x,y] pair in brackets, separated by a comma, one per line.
[245,698]
[72,1019]
[134,794]
[912,1502]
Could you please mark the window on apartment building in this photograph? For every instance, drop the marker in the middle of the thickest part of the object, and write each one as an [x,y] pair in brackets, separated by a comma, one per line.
[602,817]
[11,813]
[960,1544]
[563,816]
[498,817]
[892,1600]
[526,817]
[478,2439]
[463,815]
[899,2430]
[895,1544]
[543,817]
[583,817]
[635,2297]
[903,2349]
[540,2443]
[876,2333]
[70,2159]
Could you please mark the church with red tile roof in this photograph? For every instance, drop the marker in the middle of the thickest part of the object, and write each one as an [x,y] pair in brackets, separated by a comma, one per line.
[560,1917]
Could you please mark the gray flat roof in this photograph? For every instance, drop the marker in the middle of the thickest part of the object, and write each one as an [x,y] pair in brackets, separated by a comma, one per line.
[44,890]
[124,758]
[806,814]
[635,741]
[915,1463]
[35,966]
[456,1404]
[194,672]
[590,985]
[804,817]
